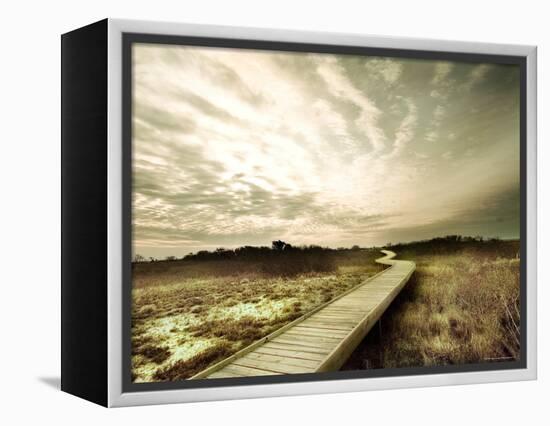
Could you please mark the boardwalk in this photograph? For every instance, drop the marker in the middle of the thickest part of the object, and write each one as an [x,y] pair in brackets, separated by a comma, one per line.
[323,339]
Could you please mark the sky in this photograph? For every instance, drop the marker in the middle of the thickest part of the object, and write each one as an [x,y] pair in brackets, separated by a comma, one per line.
[237,147]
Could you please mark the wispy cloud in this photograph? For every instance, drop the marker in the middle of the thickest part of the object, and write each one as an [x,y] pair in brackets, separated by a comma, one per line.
[334,76]
[406,130]
[476,75]
[236,147]
[389,70]
[441,73]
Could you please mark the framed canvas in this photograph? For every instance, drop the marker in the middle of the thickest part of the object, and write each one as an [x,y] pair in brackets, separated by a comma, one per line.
[252,212]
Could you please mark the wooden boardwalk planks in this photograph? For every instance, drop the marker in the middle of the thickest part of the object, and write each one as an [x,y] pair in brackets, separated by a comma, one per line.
[324,338]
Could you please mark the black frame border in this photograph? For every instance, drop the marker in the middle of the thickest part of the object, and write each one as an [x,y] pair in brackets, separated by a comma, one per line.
[84,183]
[128,39]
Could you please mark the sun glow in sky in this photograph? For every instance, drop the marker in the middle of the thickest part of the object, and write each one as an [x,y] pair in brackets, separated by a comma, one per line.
[239,147]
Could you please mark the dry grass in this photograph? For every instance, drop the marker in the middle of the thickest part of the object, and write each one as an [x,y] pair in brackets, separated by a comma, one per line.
[460,307]
[188,315]
[185,368]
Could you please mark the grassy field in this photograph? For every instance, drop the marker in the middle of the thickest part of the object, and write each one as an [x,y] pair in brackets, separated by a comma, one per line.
[189,314]
[461,306]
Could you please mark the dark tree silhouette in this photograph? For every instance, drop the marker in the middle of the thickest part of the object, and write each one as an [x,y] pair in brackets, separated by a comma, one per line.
[278,245]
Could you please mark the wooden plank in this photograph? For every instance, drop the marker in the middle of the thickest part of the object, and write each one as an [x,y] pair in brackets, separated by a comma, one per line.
[313,339]
[242,371]
[312,329]
[328,324]
[321,332]
[340,315]
[296,347]
[351,318]
[322,317]
[292,340]
[270,366]
[222,375]
[298,354]
[355,305]
[358,300]
[282,360]
[336,327]
[345,310]
[327,321]
[324,322]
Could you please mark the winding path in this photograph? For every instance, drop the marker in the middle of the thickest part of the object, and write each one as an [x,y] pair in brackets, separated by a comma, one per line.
[322,339]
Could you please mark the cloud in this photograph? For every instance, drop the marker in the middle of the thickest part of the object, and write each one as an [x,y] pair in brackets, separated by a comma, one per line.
[441,73]
[406,130]
[339,85]
[234,147]
[388,69]
[476,75]
[439,113]
[431,136]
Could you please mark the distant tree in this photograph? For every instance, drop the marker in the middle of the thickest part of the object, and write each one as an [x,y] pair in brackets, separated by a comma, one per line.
[170,258]
[278,245]
[138,258]
[202,255]
[222,253]
[355,248]
[152,259]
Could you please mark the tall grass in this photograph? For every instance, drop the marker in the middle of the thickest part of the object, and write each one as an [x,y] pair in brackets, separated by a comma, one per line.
[460,307]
